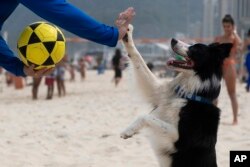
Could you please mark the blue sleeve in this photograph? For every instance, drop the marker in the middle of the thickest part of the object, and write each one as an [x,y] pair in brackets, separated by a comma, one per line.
[72,19]
[9,61]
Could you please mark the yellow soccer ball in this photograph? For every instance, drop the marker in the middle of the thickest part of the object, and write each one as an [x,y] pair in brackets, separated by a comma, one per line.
[41,44]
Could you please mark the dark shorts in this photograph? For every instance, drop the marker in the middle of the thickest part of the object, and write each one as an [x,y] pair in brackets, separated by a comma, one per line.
[118,73]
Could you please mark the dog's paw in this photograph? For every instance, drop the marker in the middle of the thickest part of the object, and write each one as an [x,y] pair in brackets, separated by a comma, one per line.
[130,29]
[127,134]
[127,39]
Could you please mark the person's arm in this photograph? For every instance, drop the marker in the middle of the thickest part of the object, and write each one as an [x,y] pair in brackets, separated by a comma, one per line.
[238,39]
[9,61]
[12,63]
[72,19]
[238,44]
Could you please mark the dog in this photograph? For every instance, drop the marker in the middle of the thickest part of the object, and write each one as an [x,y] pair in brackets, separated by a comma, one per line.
[182,126]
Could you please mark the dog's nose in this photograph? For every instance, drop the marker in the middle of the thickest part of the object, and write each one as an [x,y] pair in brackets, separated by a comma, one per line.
[173,42]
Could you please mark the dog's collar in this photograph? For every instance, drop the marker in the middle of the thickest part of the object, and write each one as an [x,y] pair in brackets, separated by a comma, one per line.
[191,96]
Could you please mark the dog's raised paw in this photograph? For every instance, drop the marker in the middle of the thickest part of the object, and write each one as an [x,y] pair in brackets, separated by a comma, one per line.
[127,134]
[128,36]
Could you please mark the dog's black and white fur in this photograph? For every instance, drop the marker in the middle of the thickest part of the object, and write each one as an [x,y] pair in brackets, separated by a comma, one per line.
[182,127]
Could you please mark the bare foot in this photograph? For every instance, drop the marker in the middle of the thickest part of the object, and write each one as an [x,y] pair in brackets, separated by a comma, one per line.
[123,20]
[235,122]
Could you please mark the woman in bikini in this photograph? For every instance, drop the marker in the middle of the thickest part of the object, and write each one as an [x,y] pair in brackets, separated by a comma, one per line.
[229,67]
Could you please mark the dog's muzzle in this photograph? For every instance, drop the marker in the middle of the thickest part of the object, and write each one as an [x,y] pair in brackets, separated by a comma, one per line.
[179,47]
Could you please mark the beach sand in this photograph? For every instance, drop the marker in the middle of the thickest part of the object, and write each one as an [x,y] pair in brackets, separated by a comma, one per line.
[82,129]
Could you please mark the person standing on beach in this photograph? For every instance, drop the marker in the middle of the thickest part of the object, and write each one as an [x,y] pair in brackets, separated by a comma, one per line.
[116,63]
[72,72]
[64,15]
[246,47]
[229,66]
[82,68]
[60,78]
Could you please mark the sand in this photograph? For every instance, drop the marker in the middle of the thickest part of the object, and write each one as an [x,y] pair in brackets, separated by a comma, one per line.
[82,129]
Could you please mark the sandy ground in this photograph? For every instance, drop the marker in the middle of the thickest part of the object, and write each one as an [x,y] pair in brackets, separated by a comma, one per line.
[82,129]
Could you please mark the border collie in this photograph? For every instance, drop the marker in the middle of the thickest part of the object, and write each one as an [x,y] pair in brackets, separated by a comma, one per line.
[182,126]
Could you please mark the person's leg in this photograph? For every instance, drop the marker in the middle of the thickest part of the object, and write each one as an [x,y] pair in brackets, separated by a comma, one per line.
[58,86]
[81,72]
[36,83]
[117,80]
[63,87]
[48,91]
[229,74]
[71,75]
[84,74]
[248,81]
[62,90]
[52,90]
[118,75]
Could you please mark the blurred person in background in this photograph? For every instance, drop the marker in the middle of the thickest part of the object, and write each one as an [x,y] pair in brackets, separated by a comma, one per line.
[72,72]
[82,68]
[246,47]
[60,77]
[117,66]
[229,67]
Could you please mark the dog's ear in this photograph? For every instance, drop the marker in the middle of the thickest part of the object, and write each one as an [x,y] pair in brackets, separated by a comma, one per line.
[225,49]
[220,50]
[213,44]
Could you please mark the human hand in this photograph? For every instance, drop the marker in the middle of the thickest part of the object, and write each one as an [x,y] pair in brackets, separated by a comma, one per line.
[30,71]
[235,33]
[123,20]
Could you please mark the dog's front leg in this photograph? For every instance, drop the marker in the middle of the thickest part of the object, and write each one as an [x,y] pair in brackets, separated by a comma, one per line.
[133,128]
[152,122]
[146,80]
